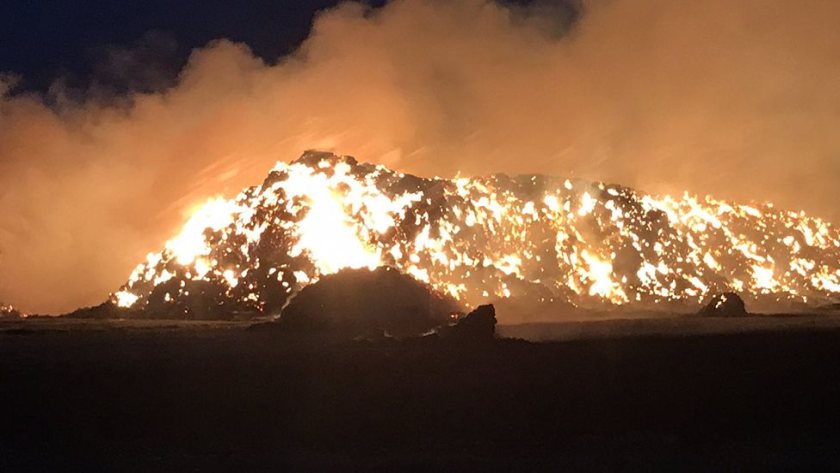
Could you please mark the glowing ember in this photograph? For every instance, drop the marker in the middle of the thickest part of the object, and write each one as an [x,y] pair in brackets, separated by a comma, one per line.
[125,298]
[9,311]
[484,238]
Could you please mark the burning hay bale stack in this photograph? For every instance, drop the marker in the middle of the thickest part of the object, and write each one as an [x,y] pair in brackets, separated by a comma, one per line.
[479,240]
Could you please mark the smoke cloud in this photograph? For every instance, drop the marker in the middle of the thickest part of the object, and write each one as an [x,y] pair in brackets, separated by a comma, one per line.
[737,99]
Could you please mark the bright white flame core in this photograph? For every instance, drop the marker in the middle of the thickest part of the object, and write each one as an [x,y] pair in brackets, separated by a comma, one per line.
[217,213]
[327,233]
[125,298]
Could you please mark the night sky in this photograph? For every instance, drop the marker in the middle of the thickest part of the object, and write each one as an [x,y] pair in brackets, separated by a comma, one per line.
[46,40]
[72,41]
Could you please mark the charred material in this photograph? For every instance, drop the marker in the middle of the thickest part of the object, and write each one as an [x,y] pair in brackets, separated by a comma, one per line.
[363,303]
[480,324]
[106,310]
[727,304]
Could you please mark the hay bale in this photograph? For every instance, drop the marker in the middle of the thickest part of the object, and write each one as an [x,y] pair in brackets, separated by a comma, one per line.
[727,304]
[360,303]
[480,324]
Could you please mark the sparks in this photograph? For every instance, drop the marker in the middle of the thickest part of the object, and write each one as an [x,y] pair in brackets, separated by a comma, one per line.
[483,238]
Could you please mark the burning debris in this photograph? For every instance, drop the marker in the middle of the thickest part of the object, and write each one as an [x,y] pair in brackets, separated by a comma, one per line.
[9,312]
[368,303]
[479,240]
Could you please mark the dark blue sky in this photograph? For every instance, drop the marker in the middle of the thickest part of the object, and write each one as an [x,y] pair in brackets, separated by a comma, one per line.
[77,41]
[46,39]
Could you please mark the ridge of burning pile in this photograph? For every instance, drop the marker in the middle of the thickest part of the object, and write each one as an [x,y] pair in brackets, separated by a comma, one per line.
[480,239]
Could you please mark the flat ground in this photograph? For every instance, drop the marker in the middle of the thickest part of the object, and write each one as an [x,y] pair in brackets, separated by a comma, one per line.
[674,394]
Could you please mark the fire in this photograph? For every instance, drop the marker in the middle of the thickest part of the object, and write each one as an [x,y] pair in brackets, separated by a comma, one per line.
[125,298]
[190,243]
[484,238]
[10,311]
[327,233]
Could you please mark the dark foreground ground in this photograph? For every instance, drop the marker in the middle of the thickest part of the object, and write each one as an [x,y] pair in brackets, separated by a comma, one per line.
[158,397]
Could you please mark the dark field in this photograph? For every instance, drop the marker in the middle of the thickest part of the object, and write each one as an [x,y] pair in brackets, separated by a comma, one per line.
[218,397]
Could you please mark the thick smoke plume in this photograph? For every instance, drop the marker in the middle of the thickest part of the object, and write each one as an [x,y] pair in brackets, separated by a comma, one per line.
[737,99]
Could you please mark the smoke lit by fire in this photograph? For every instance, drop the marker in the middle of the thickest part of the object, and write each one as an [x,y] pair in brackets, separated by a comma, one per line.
[733,99]
[484,238]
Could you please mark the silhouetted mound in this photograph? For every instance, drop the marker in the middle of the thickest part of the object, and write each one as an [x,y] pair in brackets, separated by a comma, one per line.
[360,302]
[480,324]
[106,310]
[727,304]
[9,312]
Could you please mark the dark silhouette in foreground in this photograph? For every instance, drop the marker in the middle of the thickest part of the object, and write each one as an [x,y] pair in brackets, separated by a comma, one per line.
[361,303]
[727,304]
[198,398]
[104,311]
[478,325]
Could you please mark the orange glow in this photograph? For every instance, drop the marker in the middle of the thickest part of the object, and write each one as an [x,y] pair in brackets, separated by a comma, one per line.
[478,239]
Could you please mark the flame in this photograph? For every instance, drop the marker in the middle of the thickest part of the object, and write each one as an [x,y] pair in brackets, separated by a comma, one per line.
[125,298]
[217,213]
[8,310]
[488,237]
[327,233]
